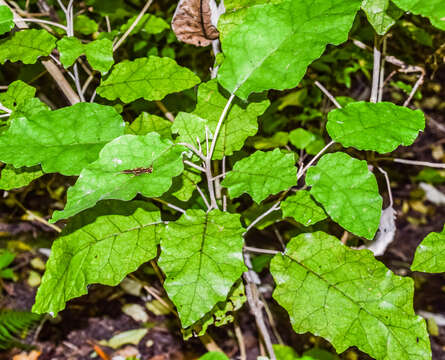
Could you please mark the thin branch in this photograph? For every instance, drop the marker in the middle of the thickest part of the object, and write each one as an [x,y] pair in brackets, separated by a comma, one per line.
[193,149]
[165,111]
[376,70]
[328,94]
[197,167]
[5,109]
[382,72]
[262,216]
[314,159]
[261,251]
[416,87]
[220,122]
[257,311]
[388,185]
[419,163]
[174,207]
[203,197]
[240,340]
[41,21]
[132,26]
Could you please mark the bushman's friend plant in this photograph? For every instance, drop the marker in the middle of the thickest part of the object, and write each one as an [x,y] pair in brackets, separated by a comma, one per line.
[188,168]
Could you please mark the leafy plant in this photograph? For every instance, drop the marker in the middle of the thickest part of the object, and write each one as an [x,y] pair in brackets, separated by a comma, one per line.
[193,170]
[13,324]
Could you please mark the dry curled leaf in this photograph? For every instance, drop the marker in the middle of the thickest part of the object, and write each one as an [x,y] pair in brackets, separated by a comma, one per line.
[192,22]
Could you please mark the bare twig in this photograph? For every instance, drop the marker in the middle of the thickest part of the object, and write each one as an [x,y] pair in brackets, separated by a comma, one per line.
[261,251]
[376,70]
[416,87]
[328,94]
[41,21]
[133,25]
[240,340]
[388,185]
[314,159]
[174,207]
[197,167]
[263,215]
[382,72]
[165,111]
[419,163]
[256,305]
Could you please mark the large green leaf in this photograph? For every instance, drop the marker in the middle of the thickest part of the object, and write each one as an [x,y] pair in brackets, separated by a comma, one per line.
[270,45]
[381,127]
[64,140]
[430,254]
[433,9]
[27,46]
[240,123]
[70,48]
[262,174]
[101,245]
[302,208]
[201,258]
[348,191]
[126,166]
[12,178]
[379,15]
[149,78]
[6,19]
[349,298]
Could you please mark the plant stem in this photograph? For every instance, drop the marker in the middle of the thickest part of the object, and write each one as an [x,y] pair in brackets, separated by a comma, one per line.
[376,70]
[263,215]
[419,163]
[314,159]
[133,25]
[261,251]
[41,21]
[328,94]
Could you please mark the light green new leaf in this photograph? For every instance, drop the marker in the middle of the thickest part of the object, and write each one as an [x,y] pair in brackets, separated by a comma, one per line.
[190,128]
[349,298]
[99,54]
[147,123]
[87,127]
[376,12]
[101,245]
[149,78]
[6,19]
[380,127]
[430,254]
[18,92]
[240,123]
[261,174]
[433,9]
[12,178]
[70,48]
[270,45]
[303,209]
[348,191]
[209,262]
[27,46]
[85,25]
[126,166]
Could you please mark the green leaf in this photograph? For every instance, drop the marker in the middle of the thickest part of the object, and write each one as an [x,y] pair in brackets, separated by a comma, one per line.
[126,166]
[433,9]
[6,19]
[147,123]
[209,262]
[303,209]
[70,48]
[149,24]
[12,178]
[240,123]
[149,78]
[101,245]
[221,314]
[380,127]
[214,355]
[269,46]
[84,25]
[349,298]
[348,191]
[27,108]
[376,12]
[99,54]
[261,174]
[27,46]
[430,254]
[185,184]
[87,127]
[306,140]
[190,128]
[6,258]
[18,92]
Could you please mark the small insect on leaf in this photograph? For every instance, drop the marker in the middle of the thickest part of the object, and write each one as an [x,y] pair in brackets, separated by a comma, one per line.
[192,22]
[138,171]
